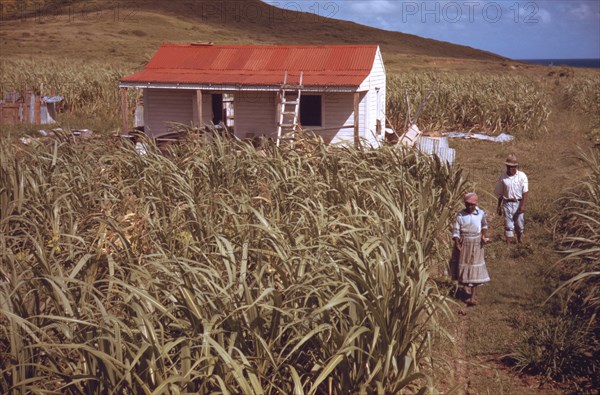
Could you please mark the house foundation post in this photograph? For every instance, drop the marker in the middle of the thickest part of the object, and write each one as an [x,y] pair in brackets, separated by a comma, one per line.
[124,111]
[200,123]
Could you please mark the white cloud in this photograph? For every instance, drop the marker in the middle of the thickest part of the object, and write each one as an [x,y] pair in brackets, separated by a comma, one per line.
[543,16]
[582,11]
[373,6]
[459,26]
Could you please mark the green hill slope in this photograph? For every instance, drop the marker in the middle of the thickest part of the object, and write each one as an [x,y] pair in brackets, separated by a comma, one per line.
[130,32]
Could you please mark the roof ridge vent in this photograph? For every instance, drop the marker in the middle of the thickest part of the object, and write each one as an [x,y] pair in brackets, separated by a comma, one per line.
[202,43]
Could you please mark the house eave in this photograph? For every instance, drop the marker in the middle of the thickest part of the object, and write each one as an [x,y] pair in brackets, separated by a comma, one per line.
[234,87]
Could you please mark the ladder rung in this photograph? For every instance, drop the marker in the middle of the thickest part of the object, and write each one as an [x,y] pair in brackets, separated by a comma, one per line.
[289,102]
[287,125]
[288,112]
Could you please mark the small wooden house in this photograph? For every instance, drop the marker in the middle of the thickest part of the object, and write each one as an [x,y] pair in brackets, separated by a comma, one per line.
[342,89]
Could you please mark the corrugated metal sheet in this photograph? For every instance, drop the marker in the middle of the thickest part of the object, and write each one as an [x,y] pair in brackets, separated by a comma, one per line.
[436,146]
[33,109]
[430,145]
[334,65]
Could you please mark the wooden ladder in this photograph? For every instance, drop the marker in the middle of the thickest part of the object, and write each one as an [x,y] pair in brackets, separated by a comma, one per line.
[288,118]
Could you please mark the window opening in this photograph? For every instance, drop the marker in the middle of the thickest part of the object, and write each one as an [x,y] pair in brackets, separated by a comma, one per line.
[310,110]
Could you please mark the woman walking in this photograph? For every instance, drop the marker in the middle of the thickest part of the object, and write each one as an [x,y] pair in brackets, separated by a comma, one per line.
[468,258]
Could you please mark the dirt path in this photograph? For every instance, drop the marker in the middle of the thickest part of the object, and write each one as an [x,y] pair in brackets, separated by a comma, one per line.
[511,304]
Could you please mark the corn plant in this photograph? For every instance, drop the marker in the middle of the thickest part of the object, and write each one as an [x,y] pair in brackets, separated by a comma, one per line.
[479,103]
[581,93]
[579,228]
[482,103]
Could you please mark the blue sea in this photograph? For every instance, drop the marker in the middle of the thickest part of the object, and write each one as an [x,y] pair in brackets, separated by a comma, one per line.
[592,63]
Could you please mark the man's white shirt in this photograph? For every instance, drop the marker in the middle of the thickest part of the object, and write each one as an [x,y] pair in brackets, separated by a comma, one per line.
[512,187]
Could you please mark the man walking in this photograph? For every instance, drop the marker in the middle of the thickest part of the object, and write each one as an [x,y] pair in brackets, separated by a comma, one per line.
[511,189]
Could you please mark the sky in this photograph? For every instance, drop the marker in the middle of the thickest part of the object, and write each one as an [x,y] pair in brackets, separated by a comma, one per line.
[542,29]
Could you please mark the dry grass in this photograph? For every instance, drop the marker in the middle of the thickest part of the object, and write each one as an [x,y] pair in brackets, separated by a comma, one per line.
[131,35]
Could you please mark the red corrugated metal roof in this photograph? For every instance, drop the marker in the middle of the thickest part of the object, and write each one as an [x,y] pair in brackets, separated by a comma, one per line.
[330,65]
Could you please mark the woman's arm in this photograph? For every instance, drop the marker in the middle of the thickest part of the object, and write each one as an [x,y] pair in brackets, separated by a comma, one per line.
[456,234]
[457,243]
[484,229]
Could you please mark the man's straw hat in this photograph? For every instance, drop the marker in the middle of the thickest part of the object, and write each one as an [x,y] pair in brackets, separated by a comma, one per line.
[511,160]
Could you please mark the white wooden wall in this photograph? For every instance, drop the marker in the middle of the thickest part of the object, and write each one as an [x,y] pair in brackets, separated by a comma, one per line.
[164,106]
[337,111]
[375,110]
[255,114]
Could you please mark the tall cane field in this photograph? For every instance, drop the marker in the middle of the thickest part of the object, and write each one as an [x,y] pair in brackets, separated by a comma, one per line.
[214,267]
[219,268]
[474,103]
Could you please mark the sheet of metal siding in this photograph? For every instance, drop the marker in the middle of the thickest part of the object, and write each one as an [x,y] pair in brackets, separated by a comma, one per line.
[436,146]
[316,59]
[432,144]
[281,57]
[358,60]
[446,155]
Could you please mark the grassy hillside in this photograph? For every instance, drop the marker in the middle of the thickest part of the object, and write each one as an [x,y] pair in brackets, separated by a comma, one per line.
[130,32]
